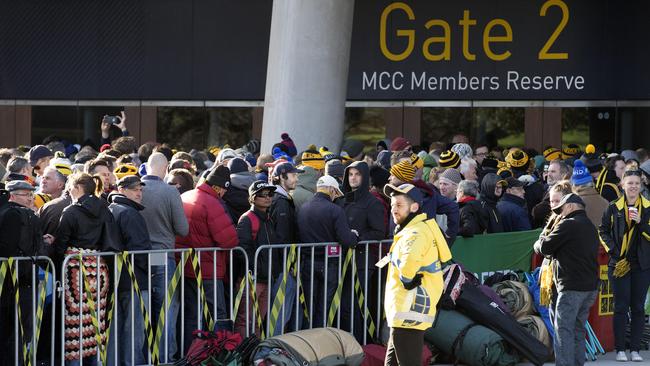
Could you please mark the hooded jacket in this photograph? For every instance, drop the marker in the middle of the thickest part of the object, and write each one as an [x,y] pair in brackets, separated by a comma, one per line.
[473,218]
[236,197]
[20,236]
[306,187]
[364,211]
[134,236]
[81,225]
[436,204]
[265,236]
[283,216]
[573,244]
[513,212]
[614,226]
[419,248]
[210,227]
[489,203]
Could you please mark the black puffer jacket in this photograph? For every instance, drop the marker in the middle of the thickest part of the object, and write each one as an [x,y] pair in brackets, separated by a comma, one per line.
[134,236]
[364,211]
[489,203]
[474,218]
[81,225]
[614,227]
[284,218]
[573,243]
[265,236]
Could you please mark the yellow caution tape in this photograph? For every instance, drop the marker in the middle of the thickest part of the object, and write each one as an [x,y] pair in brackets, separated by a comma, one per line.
[337,296]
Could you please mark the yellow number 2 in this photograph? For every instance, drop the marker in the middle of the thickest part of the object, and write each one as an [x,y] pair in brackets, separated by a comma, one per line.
[543,53]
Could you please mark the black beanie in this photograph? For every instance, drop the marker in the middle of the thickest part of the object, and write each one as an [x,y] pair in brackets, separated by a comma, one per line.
[378,176]
[219,177]
[237,165]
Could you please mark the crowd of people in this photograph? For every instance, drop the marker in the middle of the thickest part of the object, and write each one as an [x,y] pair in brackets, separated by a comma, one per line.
[69,199]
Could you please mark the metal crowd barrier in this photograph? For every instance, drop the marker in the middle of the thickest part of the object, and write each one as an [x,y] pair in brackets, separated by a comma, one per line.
[35,292]
[297,264]
[156,337]
[355,287]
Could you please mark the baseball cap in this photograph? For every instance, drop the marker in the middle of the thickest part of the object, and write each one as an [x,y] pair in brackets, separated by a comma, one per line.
[129,181]
[285,168]
[408,189]
[328,181]
[259,185]
[569,198]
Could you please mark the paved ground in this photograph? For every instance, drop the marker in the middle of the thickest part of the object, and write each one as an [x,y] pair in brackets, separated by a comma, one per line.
[610,359]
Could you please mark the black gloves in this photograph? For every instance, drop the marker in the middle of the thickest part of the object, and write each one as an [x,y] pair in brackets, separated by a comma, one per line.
[417,281]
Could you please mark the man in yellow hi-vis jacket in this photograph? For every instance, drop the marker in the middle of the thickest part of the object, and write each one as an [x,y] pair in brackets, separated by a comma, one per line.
[414,283]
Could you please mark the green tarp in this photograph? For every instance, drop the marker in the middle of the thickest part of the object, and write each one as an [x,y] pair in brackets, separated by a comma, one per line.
[489,253]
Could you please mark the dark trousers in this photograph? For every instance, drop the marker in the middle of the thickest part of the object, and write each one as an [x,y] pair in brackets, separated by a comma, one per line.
[192,298]
[350,299]
[629,295]
[404,347]
[324,288]
[8,325]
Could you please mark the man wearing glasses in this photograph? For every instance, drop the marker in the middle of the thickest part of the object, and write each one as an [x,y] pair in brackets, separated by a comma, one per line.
[20,236]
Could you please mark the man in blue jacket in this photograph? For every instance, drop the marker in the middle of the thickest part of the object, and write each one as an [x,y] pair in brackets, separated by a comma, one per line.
[320,220]
[512,207]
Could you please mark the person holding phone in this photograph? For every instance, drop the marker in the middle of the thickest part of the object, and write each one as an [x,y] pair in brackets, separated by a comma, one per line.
[625,231]
[108,122]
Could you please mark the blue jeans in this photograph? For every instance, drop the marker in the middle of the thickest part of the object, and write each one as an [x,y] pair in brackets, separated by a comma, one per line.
[569,312]
[629,295]
[125,331]
[192,298]
[159,286]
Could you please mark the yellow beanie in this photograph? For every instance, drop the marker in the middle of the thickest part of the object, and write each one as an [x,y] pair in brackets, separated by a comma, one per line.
[552,153]
[124,170]
[403,171]
[449,159]
[417,162]
[517,159]
[312,158]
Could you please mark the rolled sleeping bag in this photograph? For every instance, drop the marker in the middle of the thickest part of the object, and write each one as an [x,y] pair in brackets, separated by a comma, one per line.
[472,344]
[536,327]
[516,296]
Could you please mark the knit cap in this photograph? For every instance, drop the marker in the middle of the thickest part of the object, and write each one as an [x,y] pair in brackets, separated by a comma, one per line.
[451,175]
[125,169]
[449,159]
[581,174]
[334,168]
[591,159]
[552,153]
[62,165]
[288,142]
[463,150]
[517,159]
[571,151]
[403,171]
[399,144]
[328,155]
[312,158]
[417,162]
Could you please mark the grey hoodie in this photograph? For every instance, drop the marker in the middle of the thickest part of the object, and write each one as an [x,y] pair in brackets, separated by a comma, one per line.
[306,186]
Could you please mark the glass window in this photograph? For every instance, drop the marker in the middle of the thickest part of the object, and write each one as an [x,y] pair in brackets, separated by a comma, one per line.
[582,126]
[70,123]
[633,128]
[189,128]
[499,127]
[441,124]
[366,125]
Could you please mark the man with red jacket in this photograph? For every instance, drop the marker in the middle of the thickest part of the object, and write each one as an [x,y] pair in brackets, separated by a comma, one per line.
[210,227]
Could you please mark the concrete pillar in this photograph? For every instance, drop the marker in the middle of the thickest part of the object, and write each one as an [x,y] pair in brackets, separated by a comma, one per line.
[307,73]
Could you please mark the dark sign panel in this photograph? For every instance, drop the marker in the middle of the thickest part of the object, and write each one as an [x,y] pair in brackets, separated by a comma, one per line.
[500,49]
[401,50]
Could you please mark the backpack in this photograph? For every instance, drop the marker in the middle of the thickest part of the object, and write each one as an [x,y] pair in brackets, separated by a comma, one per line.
[255,223]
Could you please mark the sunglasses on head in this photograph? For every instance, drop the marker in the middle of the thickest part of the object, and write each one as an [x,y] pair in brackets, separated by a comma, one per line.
[629,173]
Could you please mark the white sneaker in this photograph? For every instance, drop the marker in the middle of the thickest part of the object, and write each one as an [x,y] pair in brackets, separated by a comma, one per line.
[621,356]
[636,357]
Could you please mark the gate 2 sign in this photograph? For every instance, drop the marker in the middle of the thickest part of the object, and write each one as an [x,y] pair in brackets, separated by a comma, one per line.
[500,49]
